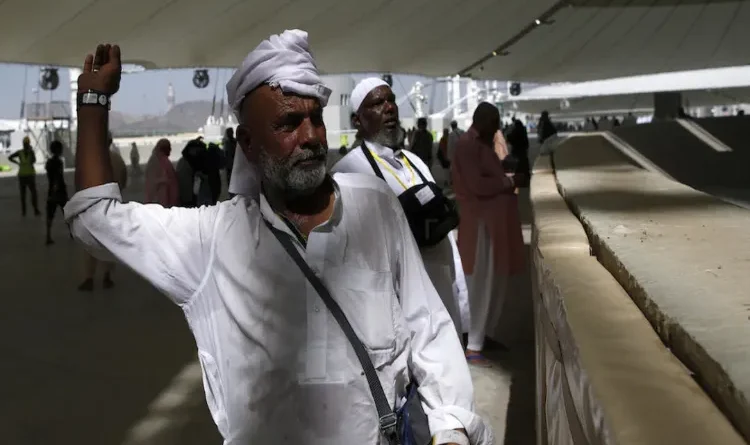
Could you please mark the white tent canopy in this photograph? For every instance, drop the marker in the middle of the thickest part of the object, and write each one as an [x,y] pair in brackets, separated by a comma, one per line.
[699,88]
[623,103]
[589,40]
[721,78]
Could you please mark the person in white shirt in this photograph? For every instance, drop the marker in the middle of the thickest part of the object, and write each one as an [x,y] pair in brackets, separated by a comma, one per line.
[377,119]
[277,367]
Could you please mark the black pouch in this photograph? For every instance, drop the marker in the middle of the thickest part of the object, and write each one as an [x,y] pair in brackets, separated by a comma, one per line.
[430,214]
[413,427]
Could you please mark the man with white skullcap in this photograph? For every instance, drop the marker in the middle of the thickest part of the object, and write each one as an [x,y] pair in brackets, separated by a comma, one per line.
[314,318]
[377,119]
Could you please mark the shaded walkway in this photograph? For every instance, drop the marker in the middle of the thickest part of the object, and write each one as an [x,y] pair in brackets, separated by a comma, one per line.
[79,368]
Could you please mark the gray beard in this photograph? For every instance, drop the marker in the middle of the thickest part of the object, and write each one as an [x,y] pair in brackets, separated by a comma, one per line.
[286,177]
[390,138]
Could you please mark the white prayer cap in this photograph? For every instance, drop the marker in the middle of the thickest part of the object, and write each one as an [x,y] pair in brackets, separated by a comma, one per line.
[284,60]
[363,88]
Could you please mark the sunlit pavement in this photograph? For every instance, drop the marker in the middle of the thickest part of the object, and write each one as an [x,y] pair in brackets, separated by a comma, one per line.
[117,366]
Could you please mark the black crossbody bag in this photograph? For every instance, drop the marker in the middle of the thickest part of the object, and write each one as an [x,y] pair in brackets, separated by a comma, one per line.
[430,214]
[407,425]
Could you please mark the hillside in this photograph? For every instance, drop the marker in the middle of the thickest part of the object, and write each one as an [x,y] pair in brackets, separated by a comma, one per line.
[183,118]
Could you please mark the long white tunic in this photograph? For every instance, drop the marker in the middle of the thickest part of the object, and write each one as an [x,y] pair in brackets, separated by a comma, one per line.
[276,366]
[440,260]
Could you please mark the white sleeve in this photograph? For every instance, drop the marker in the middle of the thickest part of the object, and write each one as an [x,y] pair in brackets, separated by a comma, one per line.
[167,247]
[437,360]
[460,290]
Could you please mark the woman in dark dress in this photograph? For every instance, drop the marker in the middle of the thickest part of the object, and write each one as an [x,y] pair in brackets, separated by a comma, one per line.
[57,192]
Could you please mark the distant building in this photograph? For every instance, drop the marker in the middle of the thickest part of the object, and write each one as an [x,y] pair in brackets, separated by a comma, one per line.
[170,97]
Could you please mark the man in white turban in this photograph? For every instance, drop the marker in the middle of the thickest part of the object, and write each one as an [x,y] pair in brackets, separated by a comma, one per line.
[277,365]
[376,118]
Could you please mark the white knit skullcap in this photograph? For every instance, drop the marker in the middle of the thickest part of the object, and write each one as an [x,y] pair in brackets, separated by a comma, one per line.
[363,88]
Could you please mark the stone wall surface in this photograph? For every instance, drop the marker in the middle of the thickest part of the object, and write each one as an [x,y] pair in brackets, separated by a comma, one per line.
[607,325]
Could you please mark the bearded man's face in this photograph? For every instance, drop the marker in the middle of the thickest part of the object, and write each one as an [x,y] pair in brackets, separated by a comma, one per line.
[285,137]
[377,118]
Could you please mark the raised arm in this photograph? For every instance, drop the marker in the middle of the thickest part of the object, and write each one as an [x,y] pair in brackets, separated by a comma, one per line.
[101,74]
[168,247]
[437,360]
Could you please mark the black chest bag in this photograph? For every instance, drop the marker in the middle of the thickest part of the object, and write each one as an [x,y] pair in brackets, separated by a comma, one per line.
[431,215]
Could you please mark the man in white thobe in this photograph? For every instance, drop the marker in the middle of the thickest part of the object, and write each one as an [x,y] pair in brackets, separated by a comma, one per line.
[277,368]
[377,119]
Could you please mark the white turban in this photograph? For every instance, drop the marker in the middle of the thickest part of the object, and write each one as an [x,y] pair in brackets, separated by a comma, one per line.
[284,61]
[363,88]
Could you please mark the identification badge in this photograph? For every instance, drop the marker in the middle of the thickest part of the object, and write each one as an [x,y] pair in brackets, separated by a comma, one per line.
[425,195]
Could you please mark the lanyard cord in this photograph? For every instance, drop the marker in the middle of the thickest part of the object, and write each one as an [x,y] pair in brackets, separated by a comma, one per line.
[390,170]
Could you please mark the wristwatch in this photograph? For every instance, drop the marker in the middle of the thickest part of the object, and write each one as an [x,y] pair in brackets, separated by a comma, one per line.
[94,98]
[450,436]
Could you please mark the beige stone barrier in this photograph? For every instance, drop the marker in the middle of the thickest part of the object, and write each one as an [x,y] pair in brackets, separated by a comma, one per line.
[556,229]
[603,374]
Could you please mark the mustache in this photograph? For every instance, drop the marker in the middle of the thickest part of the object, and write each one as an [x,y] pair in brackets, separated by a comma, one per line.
[309,152]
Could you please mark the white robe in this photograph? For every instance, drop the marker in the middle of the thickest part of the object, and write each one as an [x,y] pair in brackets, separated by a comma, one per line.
[276,366]
[441,260]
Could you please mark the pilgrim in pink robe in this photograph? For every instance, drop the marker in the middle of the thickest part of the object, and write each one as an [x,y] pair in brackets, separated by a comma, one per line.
[161,179]
[501,146]
[489,234]
[501,150]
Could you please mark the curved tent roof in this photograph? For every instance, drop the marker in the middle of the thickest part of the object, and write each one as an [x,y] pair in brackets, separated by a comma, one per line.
[575,40]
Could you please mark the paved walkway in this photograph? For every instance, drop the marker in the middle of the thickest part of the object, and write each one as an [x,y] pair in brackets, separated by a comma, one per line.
[117,367]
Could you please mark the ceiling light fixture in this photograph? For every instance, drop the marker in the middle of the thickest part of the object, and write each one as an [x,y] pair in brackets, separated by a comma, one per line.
[544,19]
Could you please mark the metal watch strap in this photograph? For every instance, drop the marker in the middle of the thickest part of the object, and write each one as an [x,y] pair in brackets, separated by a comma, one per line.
[450,436]
[94,98]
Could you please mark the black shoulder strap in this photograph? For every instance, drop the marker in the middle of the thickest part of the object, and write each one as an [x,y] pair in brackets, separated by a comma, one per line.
[414,166]
[371,160]
[385,413]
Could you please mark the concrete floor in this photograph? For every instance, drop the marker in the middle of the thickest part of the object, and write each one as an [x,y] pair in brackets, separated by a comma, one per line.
[118,366]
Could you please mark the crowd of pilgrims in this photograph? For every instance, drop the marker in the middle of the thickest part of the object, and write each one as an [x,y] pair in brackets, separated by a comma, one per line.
[203,171]
[196,178]
[422,270]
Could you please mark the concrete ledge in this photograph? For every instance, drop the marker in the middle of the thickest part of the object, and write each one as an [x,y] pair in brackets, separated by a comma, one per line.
[599,155]
[681,255]
[603,374]
[627,387]
[543,165]
[556,230]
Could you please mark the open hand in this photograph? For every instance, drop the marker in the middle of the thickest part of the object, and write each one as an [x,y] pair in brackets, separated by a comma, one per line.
[102,70]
